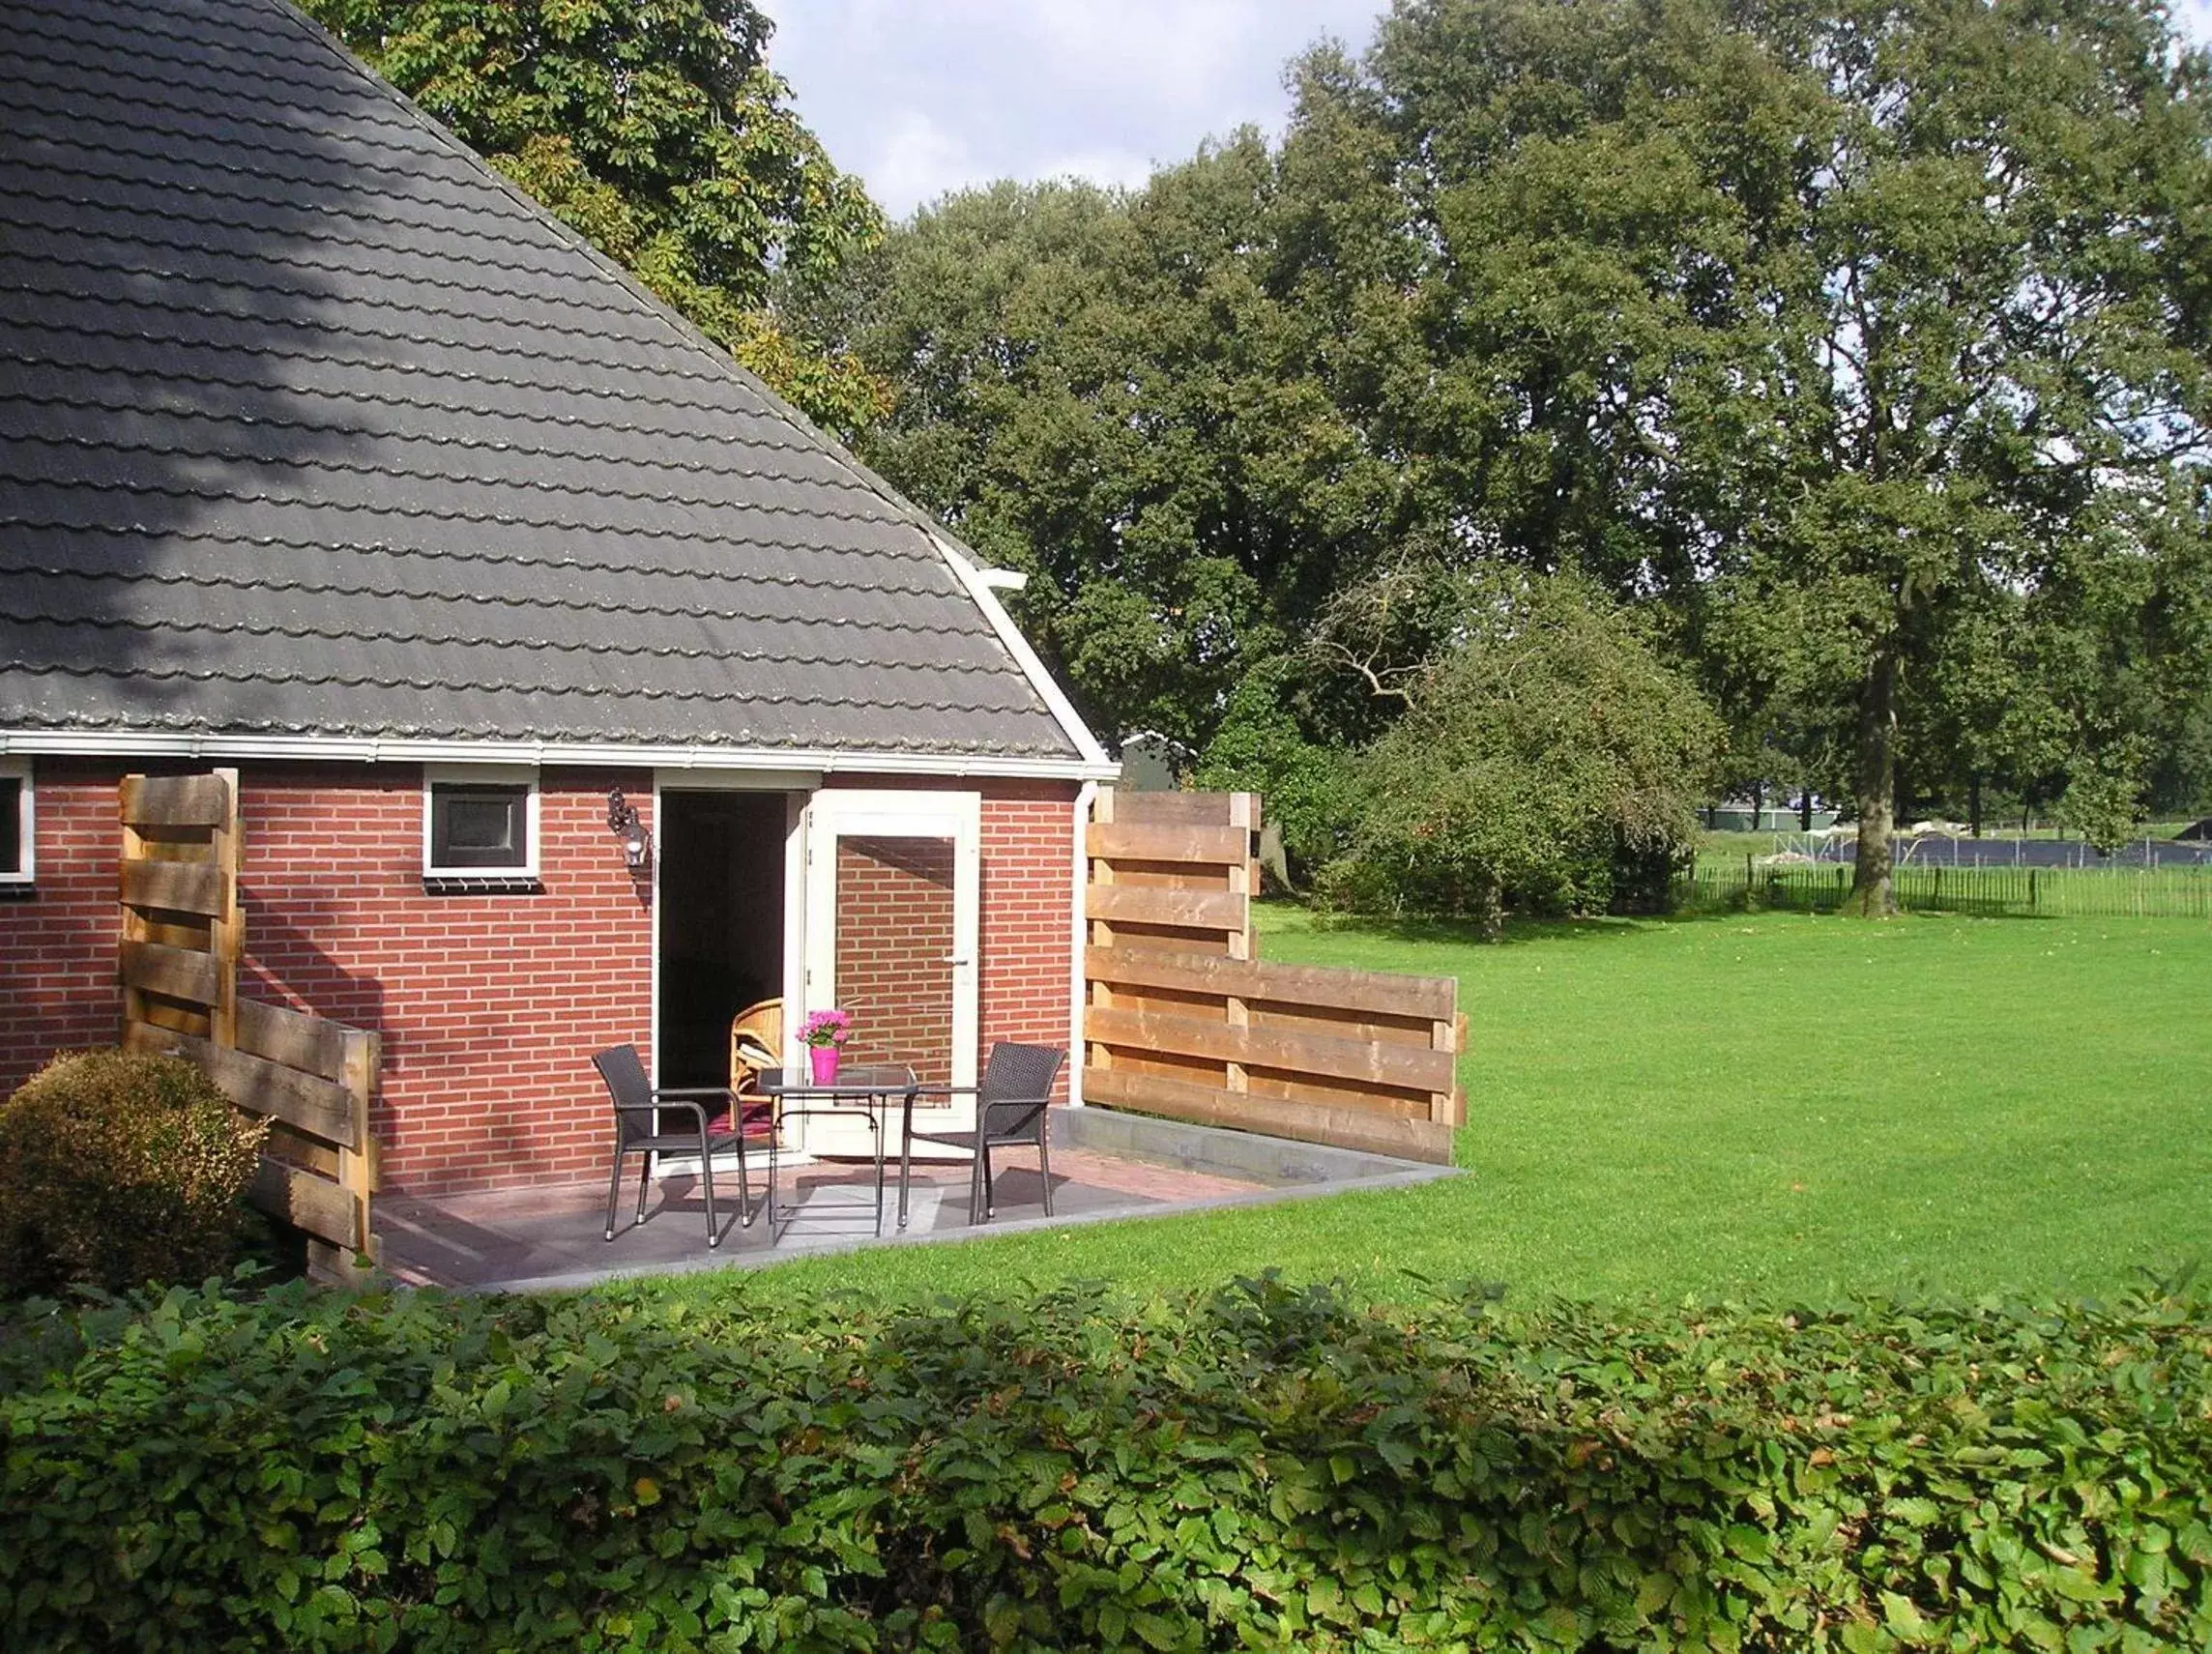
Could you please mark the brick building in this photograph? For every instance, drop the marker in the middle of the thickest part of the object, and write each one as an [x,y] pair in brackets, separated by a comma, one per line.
[579,690]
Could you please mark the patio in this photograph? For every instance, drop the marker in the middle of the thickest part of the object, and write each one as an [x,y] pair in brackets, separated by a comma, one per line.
[1106,1165]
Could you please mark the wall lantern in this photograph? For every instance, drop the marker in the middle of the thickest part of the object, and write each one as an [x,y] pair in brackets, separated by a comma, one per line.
[623,823]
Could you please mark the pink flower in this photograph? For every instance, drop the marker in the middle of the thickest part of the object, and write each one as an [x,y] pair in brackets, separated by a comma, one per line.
[825,1027]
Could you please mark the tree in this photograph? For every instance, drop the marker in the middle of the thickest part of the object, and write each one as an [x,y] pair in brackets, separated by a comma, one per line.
[657,132]
[1126,396]
[1868,337]
[1545,745]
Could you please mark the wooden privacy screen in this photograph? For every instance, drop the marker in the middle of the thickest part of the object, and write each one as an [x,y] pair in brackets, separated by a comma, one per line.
[310,1077]
[1183,1020]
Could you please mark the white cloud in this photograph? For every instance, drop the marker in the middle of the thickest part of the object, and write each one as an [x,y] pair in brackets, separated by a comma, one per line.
[914,159]
[923,96]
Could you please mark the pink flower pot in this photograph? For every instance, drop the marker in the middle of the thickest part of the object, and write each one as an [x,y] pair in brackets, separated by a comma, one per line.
[825,1060]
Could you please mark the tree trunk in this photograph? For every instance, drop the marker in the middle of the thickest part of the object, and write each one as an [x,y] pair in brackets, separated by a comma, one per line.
[1876,784]
[1974,806]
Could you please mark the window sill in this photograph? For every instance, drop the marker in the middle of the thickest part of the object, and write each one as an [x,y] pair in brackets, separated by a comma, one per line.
[483,885]
[14,889]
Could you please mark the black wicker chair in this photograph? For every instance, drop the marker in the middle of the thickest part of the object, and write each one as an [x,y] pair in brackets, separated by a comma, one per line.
[1010,1108]
[715,1121]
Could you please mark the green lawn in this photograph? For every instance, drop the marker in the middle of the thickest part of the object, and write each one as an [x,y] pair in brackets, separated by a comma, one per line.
[1777,1103]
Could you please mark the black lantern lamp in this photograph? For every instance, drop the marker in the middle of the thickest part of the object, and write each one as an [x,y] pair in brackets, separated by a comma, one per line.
[623,823]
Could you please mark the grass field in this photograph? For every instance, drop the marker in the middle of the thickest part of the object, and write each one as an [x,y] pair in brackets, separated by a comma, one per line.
[1775,1103]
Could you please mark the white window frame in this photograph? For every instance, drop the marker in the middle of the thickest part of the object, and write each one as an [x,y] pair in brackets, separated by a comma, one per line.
[435,776]
[26,820]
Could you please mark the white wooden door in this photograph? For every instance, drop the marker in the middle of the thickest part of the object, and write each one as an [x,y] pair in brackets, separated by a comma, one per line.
[891,932]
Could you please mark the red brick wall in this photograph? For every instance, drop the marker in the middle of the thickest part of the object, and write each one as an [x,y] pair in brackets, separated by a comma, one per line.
[489,1005]
[58,941]
[895,940]
[1027,895]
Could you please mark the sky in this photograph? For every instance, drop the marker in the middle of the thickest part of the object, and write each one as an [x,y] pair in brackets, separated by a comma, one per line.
[921,96]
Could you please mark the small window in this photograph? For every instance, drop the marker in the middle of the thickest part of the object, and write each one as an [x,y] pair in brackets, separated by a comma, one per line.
[480,826]
[15,823]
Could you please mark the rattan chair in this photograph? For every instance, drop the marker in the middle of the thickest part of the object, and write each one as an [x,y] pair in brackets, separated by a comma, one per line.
[1012,1105]
[716,1120]
[756,1045]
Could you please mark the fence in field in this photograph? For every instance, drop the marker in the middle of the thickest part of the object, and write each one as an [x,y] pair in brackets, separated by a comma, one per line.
[2059,892]
[1183,1020]
[311,1078]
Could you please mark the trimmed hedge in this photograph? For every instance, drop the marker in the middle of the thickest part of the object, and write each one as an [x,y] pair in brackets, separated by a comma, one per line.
[1259,1466]
[119,1168]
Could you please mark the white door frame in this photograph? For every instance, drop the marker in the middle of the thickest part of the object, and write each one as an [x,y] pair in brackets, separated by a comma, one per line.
[837,812]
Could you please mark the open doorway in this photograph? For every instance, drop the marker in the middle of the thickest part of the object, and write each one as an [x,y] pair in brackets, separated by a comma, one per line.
[721,858]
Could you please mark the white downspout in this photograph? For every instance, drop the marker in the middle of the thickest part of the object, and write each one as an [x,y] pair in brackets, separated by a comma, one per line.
[1078,936]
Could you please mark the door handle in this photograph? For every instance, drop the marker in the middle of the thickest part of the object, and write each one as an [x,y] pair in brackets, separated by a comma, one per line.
[956,959]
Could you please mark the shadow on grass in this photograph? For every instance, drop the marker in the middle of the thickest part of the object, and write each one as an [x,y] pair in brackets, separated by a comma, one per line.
[1596,928]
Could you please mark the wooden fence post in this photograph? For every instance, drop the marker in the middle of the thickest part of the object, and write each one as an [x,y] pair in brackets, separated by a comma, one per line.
[356,1170]
[1236,1011]
[227,929]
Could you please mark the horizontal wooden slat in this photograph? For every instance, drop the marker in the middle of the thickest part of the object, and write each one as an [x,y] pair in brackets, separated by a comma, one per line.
[306,1202]
[313,1045]
[1200,809]
[175,801]
[1198,910]
[1429,998]
[301,1101]
[1303,1122]
[167,1016]
[180,887]
[1410,1067]
[179,973]
[1152,841]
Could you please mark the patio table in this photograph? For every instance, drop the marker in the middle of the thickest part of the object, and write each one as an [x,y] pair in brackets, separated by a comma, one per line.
[870,1091]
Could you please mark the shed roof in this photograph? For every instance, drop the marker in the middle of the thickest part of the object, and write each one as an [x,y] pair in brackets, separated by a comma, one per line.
[311,426]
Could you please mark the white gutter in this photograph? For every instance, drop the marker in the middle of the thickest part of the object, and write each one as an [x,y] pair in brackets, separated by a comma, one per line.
[1093,765]
[979,585]
[1078,982]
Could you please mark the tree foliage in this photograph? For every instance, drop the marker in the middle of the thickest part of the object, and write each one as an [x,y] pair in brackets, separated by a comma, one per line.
[1126,397]
[1546,746]
[1867,336]
[1863,348]
[658,133]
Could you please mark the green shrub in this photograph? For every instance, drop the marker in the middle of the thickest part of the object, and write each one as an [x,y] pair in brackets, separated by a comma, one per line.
[118,1169]
[1259,1467]
[1548,761]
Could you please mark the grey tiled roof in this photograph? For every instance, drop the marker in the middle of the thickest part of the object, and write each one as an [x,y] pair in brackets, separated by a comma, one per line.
[309,426]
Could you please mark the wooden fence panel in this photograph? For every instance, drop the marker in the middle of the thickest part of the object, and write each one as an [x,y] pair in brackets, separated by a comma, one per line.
[1183,1019]
[313,1045]
[1341,1127]
[179,800]
[182,936]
